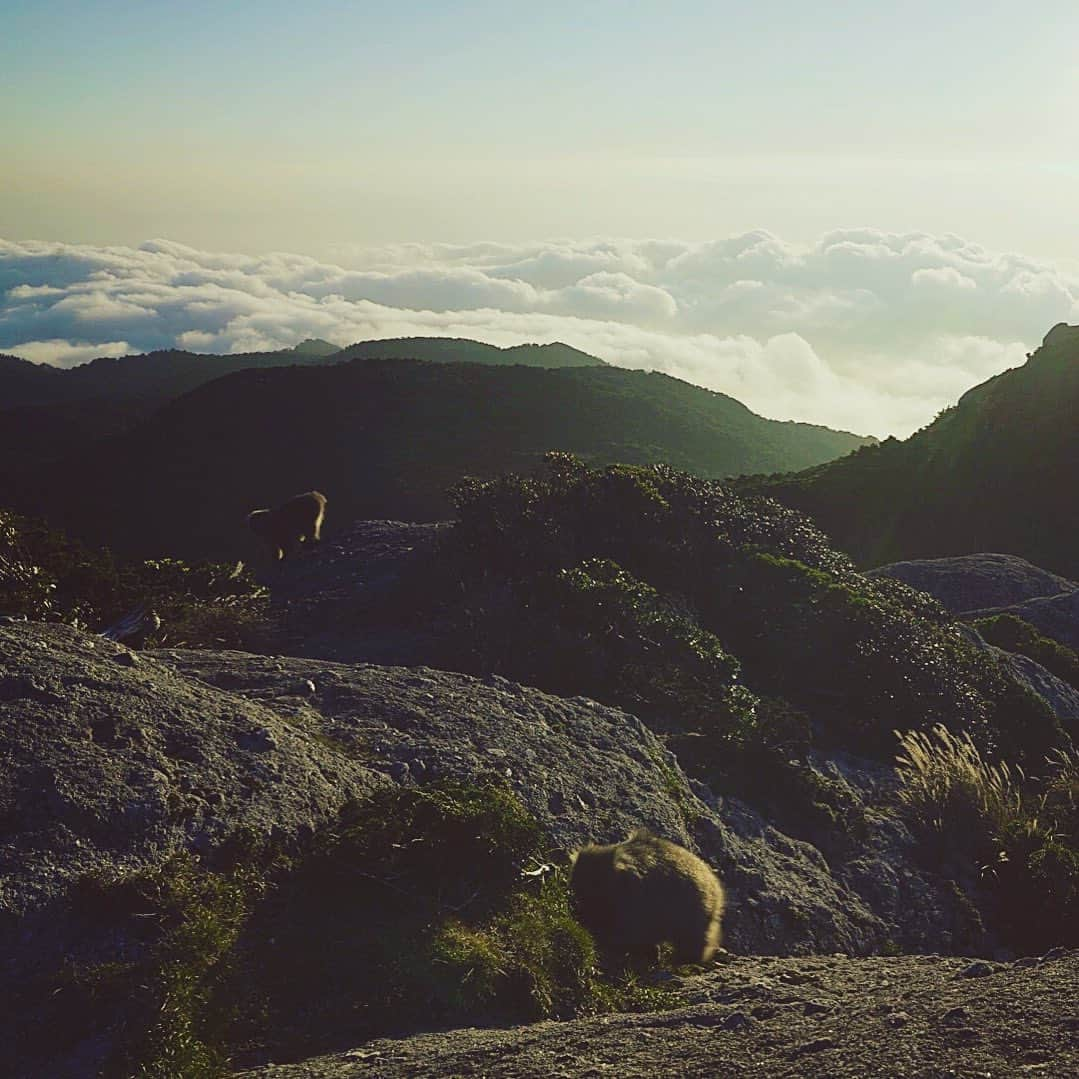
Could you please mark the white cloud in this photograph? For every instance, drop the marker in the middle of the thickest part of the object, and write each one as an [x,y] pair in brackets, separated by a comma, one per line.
[57,353]
[866,330]
[947,277]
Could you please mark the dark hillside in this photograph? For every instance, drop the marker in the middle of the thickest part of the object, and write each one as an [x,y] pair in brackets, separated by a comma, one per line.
[459,350]
[151,378]
[997,472]
[386,439]
[47,413]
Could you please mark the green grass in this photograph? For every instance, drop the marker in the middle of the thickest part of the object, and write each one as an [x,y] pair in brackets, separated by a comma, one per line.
[421,907]
[1020,834]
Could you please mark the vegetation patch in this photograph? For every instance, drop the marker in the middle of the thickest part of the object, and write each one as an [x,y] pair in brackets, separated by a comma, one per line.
[428,905]
[45,575]
[423,906]
[692,606]
[1019,834]
[1015,634]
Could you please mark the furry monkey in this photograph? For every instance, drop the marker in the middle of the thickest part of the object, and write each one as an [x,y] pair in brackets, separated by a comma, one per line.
[647,891]
[296,521]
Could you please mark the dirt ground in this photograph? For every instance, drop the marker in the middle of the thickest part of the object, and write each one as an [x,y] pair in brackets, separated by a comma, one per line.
[903,1017]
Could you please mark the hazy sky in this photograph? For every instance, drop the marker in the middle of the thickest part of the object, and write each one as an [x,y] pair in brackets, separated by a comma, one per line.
[857,209]
[258,126]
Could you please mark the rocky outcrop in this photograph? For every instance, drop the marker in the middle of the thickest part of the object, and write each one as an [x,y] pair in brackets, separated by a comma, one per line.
[112,758]
[585,771]
[976,582]
[1062,697]
[117,758]
[1052,616]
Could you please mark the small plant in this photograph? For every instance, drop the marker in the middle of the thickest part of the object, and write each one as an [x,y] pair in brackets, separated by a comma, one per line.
[174,925]
[25,587]
[424,905]
[948,789]
[46,575]
[1020,834]
[533,960]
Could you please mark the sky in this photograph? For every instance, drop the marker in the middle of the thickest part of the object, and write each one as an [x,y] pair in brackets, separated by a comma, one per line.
[431,142]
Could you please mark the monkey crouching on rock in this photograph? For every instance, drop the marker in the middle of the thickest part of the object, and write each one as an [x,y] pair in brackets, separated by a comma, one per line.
[296,521]
[646,891]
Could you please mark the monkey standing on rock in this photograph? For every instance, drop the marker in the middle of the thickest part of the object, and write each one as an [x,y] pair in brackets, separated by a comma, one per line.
[284,528]
[647,891]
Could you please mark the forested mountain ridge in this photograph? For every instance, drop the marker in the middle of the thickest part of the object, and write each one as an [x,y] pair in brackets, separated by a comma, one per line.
[996,472]
[155,377]
[48,412]
[386,438]
[461,350]
[151,376]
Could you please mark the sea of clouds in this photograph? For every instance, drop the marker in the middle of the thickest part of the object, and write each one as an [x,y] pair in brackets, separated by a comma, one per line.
[863,330]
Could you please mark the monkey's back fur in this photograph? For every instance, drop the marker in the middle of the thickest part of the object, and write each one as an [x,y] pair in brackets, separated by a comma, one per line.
[286,526]
[647,891]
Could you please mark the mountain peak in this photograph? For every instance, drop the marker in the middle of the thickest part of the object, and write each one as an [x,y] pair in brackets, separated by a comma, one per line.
[315,346]
[1061,334]
[992,474]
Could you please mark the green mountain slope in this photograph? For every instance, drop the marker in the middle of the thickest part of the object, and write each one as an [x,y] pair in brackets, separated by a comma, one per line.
[151,378]
[386,438]
[997,472]
[47,413]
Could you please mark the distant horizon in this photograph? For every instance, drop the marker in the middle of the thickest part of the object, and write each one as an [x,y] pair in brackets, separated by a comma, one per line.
[341,347]
[862,330]
[837,214]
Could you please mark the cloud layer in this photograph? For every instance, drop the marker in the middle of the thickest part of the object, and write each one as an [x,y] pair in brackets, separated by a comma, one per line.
[864,330]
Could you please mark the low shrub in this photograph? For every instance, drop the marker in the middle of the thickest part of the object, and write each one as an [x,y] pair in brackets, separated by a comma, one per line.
[656,590]
[45,575]
[422,906]
[1015,634]
[1020,834]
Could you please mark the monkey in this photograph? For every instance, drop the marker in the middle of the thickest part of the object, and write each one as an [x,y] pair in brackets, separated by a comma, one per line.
[646,891]
[284,528]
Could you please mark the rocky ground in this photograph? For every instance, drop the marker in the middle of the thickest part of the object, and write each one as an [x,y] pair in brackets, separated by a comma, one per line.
[977,582]
[111,760]
[830,1016]
[982,585]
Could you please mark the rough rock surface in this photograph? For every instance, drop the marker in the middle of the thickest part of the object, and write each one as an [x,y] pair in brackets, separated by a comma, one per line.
[976,582]
[1061,696]
[828,1016]
[1052,616]
[589,773]
[113,759]
[331,600]
[108,757]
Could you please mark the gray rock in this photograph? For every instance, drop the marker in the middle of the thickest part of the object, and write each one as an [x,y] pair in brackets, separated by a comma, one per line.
[736,1021]
[975,582]
[1061,696]
[94,752]
[1052,616]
